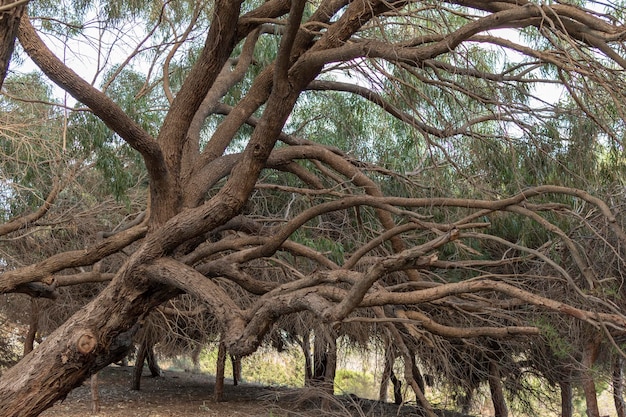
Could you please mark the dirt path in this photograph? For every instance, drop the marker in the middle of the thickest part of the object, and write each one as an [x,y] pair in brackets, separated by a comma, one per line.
[173,394]
[184,394]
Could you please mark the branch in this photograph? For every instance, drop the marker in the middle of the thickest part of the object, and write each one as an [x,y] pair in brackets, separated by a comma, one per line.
[42,271]
[23,221]
[102,106]
[381,298]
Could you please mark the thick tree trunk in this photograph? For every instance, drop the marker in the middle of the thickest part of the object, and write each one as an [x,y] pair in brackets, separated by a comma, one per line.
[590,354]
[497,393]
[618,386]
[566,399]
[9,22]
[97,335]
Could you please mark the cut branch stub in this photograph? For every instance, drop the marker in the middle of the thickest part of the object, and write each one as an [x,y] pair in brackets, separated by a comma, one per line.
[86,342]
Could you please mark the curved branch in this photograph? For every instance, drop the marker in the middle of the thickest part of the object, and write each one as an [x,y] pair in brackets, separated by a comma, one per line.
[42,271]
[23,221]
[102,106]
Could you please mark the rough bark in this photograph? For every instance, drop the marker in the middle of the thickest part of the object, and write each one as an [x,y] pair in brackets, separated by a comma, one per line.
[591,349]
[95,394]
[99,334]
[567,406]
[497,393]
[235,361]
[218,392]
[386,375]
[10,15]
[140,361]
[33,325]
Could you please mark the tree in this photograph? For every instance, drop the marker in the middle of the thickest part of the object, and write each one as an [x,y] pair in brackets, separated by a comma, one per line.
[254,209]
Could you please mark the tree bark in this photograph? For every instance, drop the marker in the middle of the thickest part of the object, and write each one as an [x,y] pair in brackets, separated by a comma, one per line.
[397,388]
[590,354]
[567,409]
[138,369]
[95,394]
[387,371]
[236,364]
[9,23]
[153,364]
[308,363]
[95,336]
[618,386]
[497,393]
[220,373]
[29,340]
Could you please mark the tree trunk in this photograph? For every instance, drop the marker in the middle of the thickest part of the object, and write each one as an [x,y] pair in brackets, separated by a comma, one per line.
[236,363]
[397,388]
[195,357]
[590,354]
[153,364]
[138,369]
[95,394]
[417,375]
[320,359]
[387,371]
[308,363]
[219,373]
[497,393]
[29,340]
[618,386]
[97,335]
[9,22]
[566,399]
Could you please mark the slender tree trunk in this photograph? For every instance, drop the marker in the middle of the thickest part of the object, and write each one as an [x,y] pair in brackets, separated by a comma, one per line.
[397,388]
[29,340]
[497,393]
[236,363]
[590,354]
[138,369]
[566,399]
[417,375]
[95,394]
[618,386]
[387,371]
[195,357]
[153,364]
[308,363]
[220,372]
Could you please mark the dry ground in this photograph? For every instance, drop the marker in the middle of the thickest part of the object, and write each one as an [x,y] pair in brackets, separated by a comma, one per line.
[191,395]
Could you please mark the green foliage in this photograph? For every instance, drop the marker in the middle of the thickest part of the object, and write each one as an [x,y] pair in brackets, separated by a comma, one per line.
[361,384]
[560,347]
[264,366]
[31,142]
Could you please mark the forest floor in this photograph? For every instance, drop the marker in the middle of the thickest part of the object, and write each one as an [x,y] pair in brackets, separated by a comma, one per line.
[186,394]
